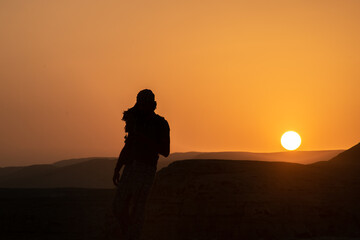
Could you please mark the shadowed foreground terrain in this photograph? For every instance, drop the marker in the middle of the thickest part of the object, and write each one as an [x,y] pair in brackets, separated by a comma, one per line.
[205,199]
[253,200]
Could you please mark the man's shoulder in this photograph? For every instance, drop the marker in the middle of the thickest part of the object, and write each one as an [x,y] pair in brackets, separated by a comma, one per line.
[161,121]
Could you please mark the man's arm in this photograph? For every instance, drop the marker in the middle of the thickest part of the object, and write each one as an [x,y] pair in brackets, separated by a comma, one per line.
[121,158]
[164,144]
[120,163]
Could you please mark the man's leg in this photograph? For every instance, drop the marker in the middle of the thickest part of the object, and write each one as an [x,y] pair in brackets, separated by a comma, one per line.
[121,211]
[139,200]
[122,202]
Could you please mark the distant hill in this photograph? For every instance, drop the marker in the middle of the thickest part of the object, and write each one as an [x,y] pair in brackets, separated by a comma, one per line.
[5,171]
[90,173]
[68,162]
[303,157]
[97,172]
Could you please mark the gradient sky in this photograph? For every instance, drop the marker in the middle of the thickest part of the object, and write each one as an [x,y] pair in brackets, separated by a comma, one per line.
[227,75]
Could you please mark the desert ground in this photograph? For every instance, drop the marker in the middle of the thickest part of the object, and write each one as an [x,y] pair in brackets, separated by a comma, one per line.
[204,199]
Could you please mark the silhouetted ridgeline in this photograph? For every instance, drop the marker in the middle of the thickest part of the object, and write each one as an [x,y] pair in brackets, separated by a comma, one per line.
[90,173]
[97,172]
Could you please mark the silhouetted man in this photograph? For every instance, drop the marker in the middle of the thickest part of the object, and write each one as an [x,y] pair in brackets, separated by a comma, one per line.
[148,135]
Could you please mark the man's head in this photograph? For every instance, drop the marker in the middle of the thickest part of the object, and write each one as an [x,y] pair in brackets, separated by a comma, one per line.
[145,101]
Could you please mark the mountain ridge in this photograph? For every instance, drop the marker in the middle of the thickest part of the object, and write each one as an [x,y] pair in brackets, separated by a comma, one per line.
[96,172]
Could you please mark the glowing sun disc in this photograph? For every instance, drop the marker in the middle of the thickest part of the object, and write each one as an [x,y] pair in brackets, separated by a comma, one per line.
[290,140]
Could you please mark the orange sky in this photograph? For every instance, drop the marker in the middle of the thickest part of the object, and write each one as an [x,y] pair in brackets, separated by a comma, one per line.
[227,75]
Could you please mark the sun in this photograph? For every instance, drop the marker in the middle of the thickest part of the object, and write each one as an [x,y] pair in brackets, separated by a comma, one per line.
[290,140]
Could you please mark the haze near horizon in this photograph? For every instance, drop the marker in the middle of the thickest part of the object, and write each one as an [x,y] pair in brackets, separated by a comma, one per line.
[227,75]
